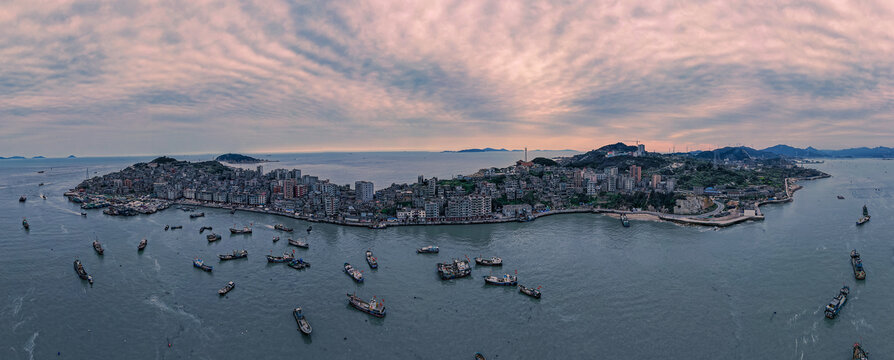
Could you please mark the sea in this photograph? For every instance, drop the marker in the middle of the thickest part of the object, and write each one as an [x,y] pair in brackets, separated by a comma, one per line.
[654,290]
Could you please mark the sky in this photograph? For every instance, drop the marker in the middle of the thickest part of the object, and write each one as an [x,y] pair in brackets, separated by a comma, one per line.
[179,77]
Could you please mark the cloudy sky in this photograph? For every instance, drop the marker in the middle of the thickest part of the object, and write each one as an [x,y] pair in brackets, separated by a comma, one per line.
[153,77]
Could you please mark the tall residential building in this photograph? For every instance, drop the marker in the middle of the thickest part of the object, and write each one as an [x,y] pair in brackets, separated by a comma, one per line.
[578,178]
[260,170]
[479,205]
[363,190]
[636,172]
[432,209]
[432,187]
[296,174]
[288,188]
[330,205]
[656,180]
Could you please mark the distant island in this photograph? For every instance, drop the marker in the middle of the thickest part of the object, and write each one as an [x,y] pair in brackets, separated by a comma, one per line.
[39,157]
[239,159]
[474,150]
[72,157]
[744,152]
[12,158]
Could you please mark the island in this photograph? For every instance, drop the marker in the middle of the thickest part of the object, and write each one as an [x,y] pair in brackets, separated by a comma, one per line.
[72,157]
[474,150]
[718,188]
[239,159]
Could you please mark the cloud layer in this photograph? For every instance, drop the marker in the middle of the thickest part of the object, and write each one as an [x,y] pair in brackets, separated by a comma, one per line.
[149,77]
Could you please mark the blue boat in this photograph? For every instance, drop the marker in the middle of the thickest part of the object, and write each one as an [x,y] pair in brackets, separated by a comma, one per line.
[201,265]
[837,303]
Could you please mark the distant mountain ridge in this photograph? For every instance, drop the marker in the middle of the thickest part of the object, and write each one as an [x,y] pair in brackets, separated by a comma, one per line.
[859,152]
[475,150]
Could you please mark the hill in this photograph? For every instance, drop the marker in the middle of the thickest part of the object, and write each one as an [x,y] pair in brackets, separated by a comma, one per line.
[735,154]
[238,159]
[475,150]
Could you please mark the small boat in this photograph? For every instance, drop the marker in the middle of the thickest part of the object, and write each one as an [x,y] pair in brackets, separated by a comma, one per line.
[193,216]
[625,221]
[454,269]
[479,356]
[282,227]
[232,211]
[212,237]
[201,265]
[142,244]
[371,260]
[203,228]
[229,287]
[167,227]
[532,292]
[286,257]
[505,280]
[857,265]
[244,230]
[237,254]
[302,321]
[275,238]
[840,197]
[309,228]
[83,213]
[865,217]
[23,198]
[25,224]
[373,307]
[837,303]
[859,353]
[298,264]
[40,171]
[353,273]
[431,249]
[299,243]
[79,268]
[493,261]
[41,184]
[98,247]
[175,227]
[42,196]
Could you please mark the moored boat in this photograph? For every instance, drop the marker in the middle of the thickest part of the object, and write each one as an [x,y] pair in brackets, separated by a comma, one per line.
[193,216]
[282,227]
[229,287]
[353,273]
[275,238]
[25,224]
[504,280]
[299,243]
[371,260]
[286,257]
[83,213]
[454,269]
[142,244]
[373,307]
[243,230]
[237,254]
[431,249]
[859,353]
[97,247]
[492,261]
[82,273]
[532,292]
[865,217]
[303,325]
[201,265]
[212,237]
[837,303]
[203,228]
[625,221]
[298,264]
[857,265]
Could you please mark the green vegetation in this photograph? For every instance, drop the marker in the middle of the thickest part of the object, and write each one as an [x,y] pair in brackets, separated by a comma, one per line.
[544,161]
[163,160]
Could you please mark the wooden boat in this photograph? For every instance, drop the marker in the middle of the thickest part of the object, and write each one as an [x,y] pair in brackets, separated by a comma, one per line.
[193,216]
[282,227]
[505,280]
[837,303]
[25,224]
[244,230]
[237,254]
[298,264]
[201,265]
[353,273]
[493,261]
[373,307]
[371,260]
[857,265]
[431,249]
[212,237]
[142,244]
[859,353]
[286,257]
[479,356]
[303,325]
[299,243]
[275,238]
[82,273]
[532,292]
[229,287]
[97,247]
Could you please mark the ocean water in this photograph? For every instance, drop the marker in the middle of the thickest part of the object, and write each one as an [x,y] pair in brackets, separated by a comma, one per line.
[654,290]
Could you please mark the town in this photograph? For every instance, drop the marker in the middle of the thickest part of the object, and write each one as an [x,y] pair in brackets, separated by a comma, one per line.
[719,187]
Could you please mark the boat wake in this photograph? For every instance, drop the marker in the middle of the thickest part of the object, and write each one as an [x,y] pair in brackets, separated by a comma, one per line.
[30,344]
[154,301]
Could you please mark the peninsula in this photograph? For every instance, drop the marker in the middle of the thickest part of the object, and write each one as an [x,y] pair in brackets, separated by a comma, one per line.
[616,179]
[239,159]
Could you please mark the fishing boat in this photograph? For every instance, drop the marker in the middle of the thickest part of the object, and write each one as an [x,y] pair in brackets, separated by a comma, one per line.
[303,325]
[82,273]
[201,265]
[840,197]
[275,238]
[454,269]
[25,224]
[212,237]
[479,356]
[142,244]
[42,196]
[859,353]
[237,254]
[532,292]
[505,280]
[373,307]
[837,303]
[625,221]
[371,260]
[286,257]
[83,213]
[431,249]
[23,198]
[97,247]
[40,172]
[492,261]
[353,273]
[865,217]
[203,228]
[243,230]
[167,227]
[857,265]
[193,216]
[229,287]
[282,227]
[299,243]
[41,184]
[298,264]
[175,227]
[309,228]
